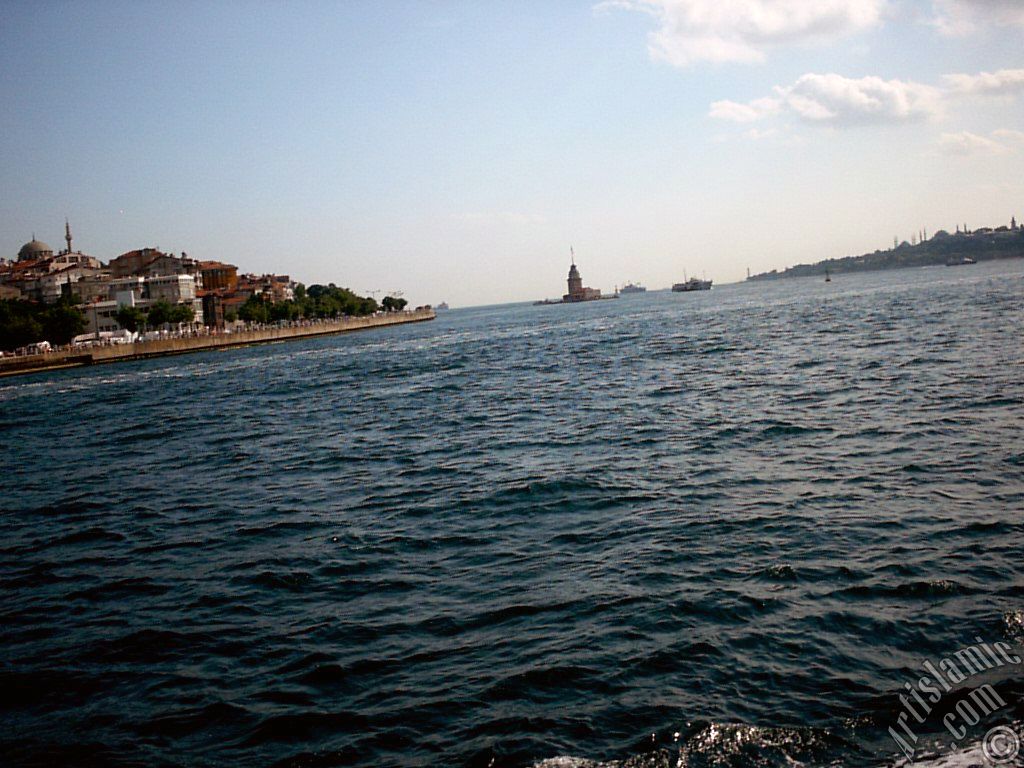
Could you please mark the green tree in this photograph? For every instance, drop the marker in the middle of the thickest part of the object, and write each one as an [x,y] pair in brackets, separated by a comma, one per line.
[331,301]
[159,314]
[18,324]
[254,310]
[62,322]
[130,318]
[284,310]
[182,313]
[24,322]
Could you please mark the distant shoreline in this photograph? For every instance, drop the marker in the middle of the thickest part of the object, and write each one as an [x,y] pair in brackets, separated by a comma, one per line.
[940,249]
[73,358]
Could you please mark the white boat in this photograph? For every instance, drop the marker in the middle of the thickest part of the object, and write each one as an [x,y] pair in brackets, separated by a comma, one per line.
[693,284]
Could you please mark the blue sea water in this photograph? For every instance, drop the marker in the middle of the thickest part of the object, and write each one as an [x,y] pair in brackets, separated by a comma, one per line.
[701,529]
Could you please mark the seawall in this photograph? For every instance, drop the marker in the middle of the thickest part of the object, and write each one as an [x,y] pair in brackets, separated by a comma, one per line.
[69,358]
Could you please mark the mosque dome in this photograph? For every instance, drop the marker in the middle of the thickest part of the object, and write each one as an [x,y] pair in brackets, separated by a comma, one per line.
[34,249]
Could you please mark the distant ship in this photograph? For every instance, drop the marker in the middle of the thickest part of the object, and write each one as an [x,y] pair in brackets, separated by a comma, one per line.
[693,284]
[632,288]
[442,305]
[962,260]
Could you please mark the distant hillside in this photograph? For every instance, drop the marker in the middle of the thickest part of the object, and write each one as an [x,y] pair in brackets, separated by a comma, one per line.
[941,248]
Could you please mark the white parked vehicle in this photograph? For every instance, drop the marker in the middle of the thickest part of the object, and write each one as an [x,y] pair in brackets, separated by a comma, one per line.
[104,337]
[123,336]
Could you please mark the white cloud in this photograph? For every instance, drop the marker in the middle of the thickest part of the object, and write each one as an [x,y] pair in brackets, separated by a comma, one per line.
[1009,137]
[744,113]
[840,101]
[693,31]
[1004,81]
[967,143]
[961,17]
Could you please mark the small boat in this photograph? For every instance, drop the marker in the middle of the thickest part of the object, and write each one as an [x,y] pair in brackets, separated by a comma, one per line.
[961,261]
[828,277]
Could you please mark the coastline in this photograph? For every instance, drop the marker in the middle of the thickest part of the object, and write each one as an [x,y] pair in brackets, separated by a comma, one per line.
[942,249]
[71,358]
[548,302]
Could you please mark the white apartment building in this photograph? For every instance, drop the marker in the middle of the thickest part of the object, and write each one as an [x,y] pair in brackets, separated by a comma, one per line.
[141,292]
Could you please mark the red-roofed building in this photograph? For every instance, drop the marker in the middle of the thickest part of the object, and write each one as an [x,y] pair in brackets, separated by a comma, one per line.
[151,262]
[218,276]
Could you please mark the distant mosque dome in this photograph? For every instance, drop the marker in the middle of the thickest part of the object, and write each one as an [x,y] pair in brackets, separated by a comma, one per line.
[35,249]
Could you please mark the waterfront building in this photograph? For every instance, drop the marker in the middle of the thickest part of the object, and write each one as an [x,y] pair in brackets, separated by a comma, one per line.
[40,275]
[272,287]
[174,289]
[219,291]
[50,287]
[152,262]
[18,273]
[65,260]
[142,292]
[137,278]
[100,317]
[213,308]
[218,276]
[577,291]
[91,288]
[123,287]
[129,263]
[217,303]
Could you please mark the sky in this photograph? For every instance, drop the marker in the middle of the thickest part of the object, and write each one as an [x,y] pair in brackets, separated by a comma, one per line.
[457,150]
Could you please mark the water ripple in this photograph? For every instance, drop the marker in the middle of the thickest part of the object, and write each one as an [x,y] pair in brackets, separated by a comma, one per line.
[668,530]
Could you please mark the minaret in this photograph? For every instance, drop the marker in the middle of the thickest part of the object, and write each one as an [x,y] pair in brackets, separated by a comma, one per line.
[67,234]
